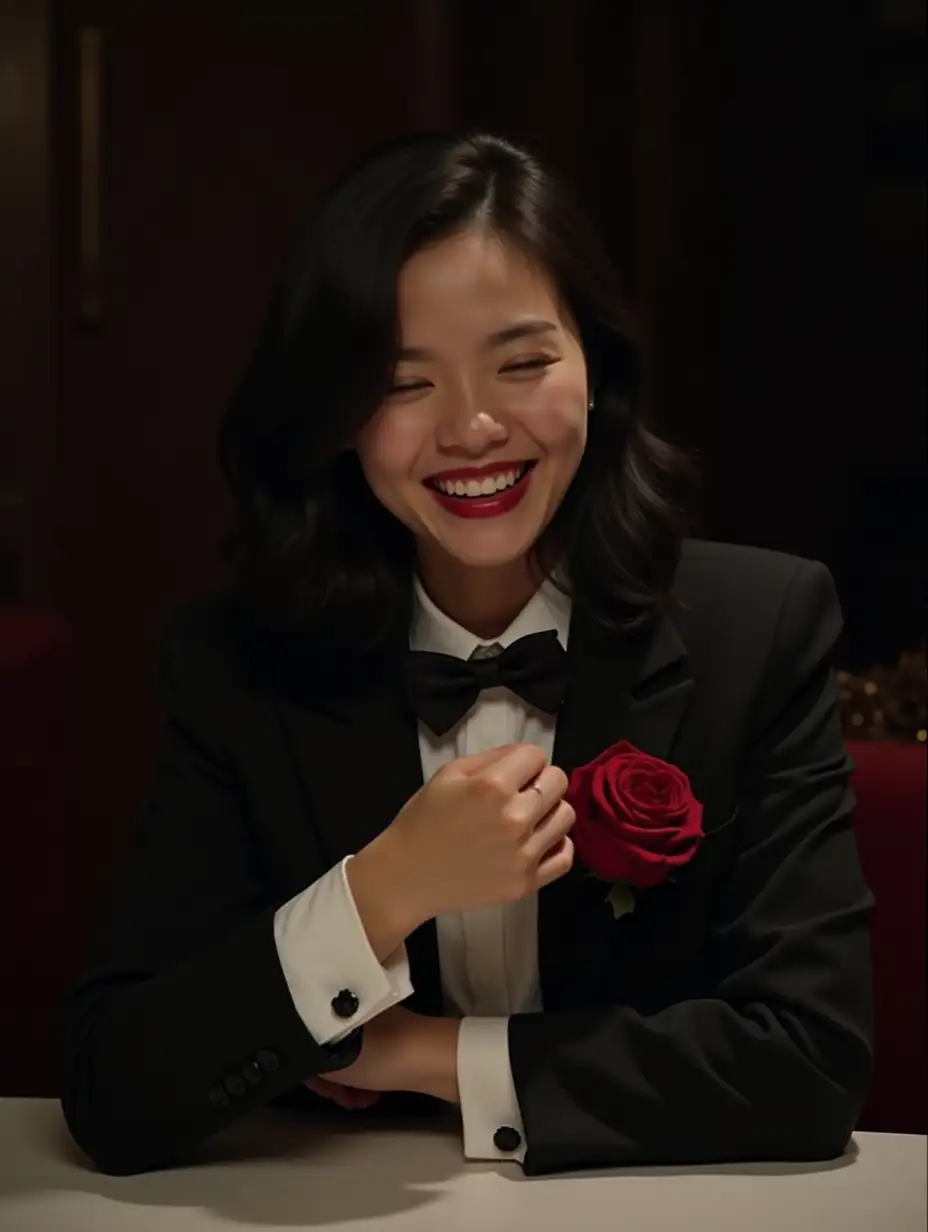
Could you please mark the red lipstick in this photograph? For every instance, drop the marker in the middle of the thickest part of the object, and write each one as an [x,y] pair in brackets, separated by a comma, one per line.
[491,506]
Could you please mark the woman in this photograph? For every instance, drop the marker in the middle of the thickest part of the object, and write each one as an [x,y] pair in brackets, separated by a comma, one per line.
[481,782]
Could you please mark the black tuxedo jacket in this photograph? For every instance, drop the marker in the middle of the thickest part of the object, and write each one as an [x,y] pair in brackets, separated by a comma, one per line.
[728,1018]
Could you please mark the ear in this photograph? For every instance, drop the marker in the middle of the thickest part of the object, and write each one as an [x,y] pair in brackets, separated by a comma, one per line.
[592,379]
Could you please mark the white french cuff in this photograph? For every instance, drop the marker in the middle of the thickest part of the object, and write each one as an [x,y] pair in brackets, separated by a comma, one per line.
[324,950]
[488,1093]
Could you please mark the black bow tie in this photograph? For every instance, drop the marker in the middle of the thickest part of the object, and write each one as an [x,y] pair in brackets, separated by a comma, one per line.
[441,688]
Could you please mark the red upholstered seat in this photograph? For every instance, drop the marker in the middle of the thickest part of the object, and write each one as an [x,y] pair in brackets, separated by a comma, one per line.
[890,825]
[40,829]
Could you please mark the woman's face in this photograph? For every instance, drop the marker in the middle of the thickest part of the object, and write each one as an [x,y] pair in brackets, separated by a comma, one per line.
[491,379]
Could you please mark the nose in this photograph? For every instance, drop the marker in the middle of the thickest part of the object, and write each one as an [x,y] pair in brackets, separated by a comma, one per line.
[467,427]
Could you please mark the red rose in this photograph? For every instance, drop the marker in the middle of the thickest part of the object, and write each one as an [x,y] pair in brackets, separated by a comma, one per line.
[637,817]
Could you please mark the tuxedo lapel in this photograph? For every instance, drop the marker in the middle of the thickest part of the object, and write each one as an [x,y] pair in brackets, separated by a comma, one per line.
[631,687]
[357,753]
[622,687]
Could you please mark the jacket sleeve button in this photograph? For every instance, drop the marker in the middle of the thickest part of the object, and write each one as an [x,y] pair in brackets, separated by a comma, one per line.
[218,1097]
[252,1073]
[235,1085]
[268,1060]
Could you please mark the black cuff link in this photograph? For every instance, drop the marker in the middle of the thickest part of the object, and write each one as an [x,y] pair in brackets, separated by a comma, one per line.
[507,1139]
[345,1004]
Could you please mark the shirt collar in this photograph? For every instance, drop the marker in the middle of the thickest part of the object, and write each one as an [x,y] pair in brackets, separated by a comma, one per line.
[433,630]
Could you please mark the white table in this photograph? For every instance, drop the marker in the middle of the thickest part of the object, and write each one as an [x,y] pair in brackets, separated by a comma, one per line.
[274,1171]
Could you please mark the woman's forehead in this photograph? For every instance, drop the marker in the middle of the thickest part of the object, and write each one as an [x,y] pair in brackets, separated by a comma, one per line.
[473,277]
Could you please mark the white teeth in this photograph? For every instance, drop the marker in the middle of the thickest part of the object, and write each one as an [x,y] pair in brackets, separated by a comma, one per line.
[480,487]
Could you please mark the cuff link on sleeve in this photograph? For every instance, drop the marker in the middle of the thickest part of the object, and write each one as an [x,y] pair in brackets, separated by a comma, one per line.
[345,1004]
[507,1139]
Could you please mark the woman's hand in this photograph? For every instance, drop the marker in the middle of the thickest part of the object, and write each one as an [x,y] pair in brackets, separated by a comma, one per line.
[401,1051]
[344,1096]
[486,829]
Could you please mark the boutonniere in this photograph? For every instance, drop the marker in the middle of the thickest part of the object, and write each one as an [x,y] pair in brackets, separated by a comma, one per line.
[637,821]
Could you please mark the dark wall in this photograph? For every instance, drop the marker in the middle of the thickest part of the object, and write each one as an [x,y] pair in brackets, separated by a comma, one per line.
[822,427]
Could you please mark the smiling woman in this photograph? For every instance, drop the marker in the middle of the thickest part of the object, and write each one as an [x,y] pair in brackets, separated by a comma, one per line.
[462,617]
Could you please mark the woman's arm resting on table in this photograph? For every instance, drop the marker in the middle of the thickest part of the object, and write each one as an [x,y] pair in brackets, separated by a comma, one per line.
[776,1064]
[205,1001]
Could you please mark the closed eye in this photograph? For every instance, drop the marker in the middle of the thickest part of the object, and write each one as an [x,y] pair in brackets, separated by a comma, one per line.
[527,366]
[531,365]
[412,387]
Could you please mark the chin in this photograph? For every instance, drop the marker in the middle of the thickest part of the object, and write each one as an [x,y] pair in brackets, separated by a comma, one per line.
[487,560]
[491,543]
[488,551]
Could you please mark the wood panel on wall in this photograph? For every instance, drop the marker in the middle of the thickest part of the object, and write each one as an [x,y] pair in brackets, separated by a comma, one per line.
[26,406]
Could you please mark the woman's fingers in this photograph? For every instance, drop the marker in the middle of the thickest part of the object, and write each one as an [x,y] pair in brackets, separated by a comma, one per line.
[516,768]
[344,1096]
[537,799]
[473,763]
[550,831]
[558,861]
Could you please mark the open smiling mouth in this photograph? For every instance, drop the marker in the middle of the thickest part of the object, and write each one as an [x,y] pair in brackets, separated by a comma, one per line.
[488,496]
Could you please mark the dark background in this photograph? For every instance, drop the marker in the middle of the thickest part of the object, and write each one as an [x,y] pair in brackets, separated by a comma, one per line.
[757,170]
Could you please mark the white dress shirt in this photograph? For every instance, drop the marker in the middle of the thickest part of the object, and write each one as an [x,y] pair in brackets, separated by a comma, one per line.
[488,958]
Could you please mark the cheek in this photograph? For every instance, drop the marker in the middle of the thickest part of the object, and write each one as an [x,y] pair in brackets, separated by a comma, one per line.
[387,450]
[557,420]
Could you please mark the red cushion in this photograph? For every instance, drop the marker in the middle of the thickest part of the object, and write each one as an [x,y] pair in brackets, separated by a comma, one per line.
[890,826]
[41,830]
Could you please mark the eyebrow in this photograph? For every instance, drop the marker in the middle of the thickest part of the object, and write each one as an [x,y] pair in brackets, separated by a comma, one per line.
[512,333]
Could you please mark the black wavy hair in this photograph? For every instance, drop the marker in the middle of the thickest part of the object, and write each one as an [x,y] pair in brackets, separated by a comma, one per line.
[312,549]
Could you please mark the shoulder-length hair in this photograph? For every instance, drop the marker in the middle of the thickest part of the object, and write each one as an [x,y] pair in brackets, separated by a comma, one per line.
[312,549]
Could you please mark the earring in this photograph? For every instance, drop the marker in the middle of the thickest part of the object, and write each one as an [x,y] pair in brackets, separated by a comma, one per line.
[592,402]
